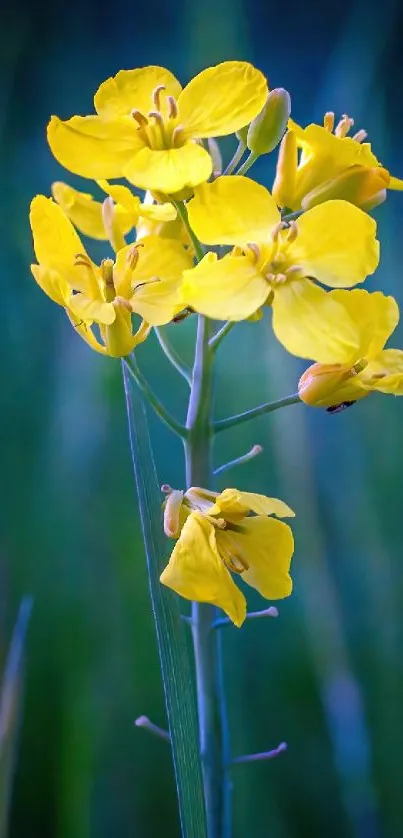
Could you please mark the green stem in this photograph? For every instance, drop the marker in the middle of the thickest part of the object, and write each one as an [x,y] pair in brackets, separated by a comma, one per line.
[248,163]
[239,418]
[183,214]
[235,159]
[216,339]
[172,355]
[153,400]
[291,216]
[213,725]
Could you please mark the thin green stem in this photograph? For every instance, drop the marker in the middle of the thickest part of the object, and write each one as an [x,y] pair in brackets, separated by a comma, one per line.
[239,461]
[183,214]
[239,153]
[213,724]
[216,339]
[172,355]
[153,400]
[291,216]
[239,418]
[248,163]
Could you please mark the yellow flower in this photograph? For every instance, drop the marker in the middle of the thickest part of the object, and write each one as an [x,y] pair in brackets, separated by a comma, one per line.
[144,279]
[370,367]
[217,536]
[87,214]
[270,264]
[147,128]
[321,162]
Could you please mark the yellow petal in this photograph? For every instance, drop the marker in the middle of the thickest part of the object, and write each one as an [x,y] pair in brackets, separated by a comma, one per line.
[132,90]
[52,283]
[84,330]
[122,196]
[197,572]
[222,99]
[385,373]
[56,242]
[268,546]
[161,213]
[328,385]
[169,170]
[224,289]
[311,325]
[162,259]
[375,316]
[232,210]
[158,302]
[91,147]
[395,183]
[119,337]
[336,244]
[233,502]
[94,310]
[81,209]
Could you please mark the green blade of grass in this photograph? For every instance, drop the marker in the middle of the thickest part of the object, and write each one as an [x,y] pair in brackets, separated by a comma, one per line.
[10,700]
[176,667]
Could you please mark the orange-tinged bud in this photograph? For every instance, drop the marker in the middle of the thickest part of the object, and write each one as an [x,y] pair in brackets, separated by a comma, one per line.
[172,510]
[268,127]
[360,185]
[286,171]
[319,384]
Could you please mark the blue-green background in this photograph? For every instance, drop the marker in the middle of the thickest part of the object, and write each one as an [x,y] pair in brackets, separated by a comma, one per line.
[327,676]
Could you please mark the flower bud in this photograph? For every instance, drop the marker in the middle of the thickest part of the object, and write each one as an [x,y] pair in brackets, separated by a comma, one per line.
[319,384]
[242,134]
[360,185]
[286,171]
[268,127]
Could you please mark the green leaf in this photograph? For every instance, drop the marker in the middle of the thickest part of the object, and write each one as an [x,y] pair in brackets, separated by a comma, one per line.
[177,672]
[10,698]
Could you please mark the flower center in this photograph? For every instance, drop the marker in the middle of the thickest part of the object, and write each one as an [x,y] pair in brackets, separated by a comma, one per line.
[273,260]
[160,130]
[231,552]
[343,127]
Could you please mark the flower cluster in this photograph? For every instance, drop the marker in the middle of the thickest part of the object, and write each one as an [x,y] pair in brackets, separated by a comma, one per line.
[213,241]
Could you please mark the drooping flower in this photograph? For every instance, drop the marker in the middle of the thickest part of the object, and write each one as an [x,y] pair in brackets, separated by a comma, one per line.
[273,263]
[147,128]
[144,279]
[87,214]
[217,536]
[370,367]
[318,163]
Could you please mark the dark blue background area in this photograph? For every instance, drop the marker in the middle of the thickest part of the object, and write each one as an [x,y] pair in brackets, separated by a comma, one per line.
[327,676]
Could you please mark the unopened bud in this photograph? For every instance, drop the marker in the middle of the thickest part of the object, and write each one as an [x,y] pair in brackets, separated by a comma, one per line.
[268,127]
[319,384]
[242,134]
[172,510]
[286,171]
[360,185]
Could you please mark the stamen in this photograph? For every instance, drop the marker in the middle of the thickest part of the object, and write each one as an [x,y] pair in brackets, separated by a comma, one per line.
[344,126]
[172,107]
[359,366]
[178,136]
[255,249]
[328,121]
[294,269]
[360,136]
[157,115]
[140,118]
[133,255]
[292,231]
[277,230]
[123,303]
[156,96]
[83,260]
[107,272]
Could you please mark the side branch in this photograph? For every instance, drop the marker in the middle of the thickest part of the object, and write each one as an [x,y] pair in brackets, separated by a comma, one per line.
[268,407]
[153,400]
[172,355]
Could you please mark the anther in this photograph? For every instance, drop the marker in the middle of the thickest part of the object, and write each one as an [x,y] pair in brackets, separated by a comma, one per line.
[292,231]
[178,136]
[359,366]
[107,272]
[140,118]
[156,95]
[83,260]
[360,136]
[277,230]
[157,115]
[294,269]
[166,489]
[122,303]
[133,255]
[344,126]
[255,249]
[172,107]
[328,121]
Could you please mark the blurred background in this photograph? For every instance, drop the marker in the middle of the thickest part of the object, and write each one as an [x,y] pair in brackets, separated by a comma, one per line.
[327,675]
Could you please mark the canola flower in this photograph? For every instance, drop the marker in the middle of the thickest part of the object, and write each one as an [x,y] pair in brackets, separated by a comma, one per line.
[218,537]
[371,367]
[273,263]
[148,129]
[144,280]
[318,163]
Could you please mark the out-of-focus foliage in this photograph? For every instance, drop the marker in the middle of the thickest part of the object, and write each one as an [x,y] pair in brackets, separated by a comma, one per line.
[327,676]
